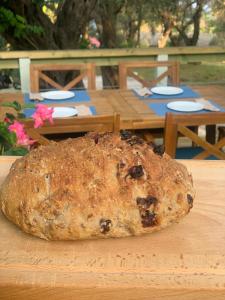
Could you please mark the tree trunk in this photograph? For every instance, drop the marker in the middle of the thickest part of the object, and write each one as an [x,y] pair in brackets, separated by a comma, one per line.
[183,37]
[132,29]
[72,20]
[110,77]
[192,41]
[109,74]
[168,26]
[108,11]
[139,22]
[109,32]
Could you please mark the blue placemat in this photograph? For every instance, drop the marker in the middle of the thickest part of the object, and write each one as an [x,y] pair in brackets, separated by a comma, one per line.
[29,111]
[187,93]
[161,109]
[80,96]
[190,152]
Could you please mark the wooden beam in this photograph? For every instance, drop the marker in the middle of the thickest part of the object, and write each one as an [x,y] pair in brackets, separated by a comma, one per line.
[47,54]
[111,60]
[9,63]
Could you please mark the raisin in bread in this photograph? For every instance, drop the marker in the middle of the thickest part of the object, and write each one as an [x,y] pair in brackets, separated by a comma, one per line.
[97,186]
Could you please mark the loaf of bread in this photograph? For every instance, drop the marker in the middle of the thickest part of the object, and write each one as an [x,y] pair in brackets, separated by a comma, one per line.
[97,186]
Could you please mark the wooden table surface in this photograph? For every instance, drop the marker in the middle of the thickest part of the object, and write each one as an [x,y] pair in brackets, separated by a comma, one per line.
[134,113]
[185,261]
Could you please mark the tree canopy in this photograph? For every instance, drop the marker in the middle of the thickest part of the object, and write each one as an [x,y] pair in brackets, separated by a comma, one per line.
[39,24]
[63,24]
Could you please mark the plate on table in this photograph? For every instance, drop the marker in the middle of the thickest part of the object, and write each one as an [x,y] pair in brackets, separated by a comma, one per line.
[166,90]
[185,106]
[64,112]
[57,95]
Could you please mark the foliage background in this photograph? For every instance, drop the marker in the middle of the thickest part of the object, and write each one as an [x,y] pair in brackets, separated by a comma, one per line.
[66,24]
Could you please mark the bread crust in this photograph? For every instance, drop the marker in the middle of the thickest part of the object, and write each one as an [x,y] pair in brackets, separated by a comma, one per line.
[97,186]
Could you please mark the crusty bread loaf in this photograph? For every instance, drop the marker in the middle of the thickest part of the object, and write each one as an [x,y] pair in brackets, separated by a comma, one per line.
[97,186]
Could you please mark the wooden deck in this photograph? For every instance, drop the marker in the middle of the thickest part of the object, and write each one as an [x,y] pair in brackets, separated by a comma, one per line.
[134,113]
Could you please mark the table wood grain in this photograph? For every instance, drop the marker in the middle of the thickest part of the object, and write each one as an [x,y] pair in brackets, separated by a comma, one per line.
[185,261]
[134,113]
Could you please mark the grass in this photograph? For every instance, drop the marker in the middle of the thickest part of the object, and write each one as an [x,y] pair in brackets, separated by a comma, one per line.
[194,73]
[203,73]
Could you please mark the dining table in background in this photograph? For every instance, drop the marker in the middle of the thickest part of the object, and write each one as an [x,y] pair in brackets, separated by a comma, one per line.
[184,261]
[214,93]
[135,113]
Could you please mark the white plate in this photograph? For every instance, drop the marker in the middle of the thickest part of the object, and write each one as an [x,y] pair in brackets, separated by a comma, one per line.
[166,90]
[185,106]
[57,95]
[64,112]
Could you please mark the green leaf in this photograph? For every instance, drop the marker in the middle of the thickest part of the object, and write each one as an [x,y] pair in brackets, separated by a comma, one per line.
[9,137]
[28,106]
[7,104]
[21,19]
[17,151]
[11,117]
[17,106]
[21,116]
[13,104]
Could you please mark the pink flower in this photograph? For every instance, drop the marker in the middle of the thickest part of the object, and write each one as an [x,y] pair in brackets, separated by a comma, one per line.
[94,41]
[42,114]
[22,137]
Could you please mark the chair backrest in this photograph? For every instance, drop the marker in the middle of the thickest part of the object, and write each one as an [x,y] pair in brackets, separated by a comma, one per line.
[85,70]
[104,123]
[126,69]
[179,123]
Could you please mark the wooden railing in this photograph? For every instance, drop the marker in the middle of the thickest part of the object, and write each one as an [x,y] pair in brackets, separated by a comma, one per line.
[102,57]
[105,57]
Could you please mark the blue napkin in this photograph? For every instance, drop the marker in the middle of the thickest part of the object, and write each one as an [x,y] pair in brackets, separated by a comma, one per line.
[80,96]
[187,93]
[161,109]
[29,111]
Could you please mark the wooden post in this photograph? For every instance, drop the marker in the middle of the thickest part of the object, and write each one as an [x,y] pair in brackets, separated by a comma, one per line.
[170,136]
[24,65]
[160,70]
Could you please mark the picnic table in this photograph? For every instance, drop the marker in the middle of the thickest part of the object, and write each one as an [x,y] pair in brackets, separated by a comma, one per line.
[185,261]
[135,113]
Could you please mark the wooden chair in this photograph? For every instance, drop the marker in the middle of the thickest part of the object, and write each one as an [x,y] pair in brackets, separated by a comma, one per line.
[125,70]
[37,73]
[177,123]
[106,123]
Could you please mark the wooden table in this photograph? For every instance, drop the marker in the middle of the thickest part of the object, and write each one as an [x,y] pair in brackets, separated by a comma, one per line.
[134,113]
[185,261]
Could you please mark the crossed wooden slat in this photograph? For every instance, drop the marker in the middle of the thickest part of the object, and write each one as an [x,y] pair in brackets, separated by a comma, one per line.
[180,123]
[37,73]
[125,70]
